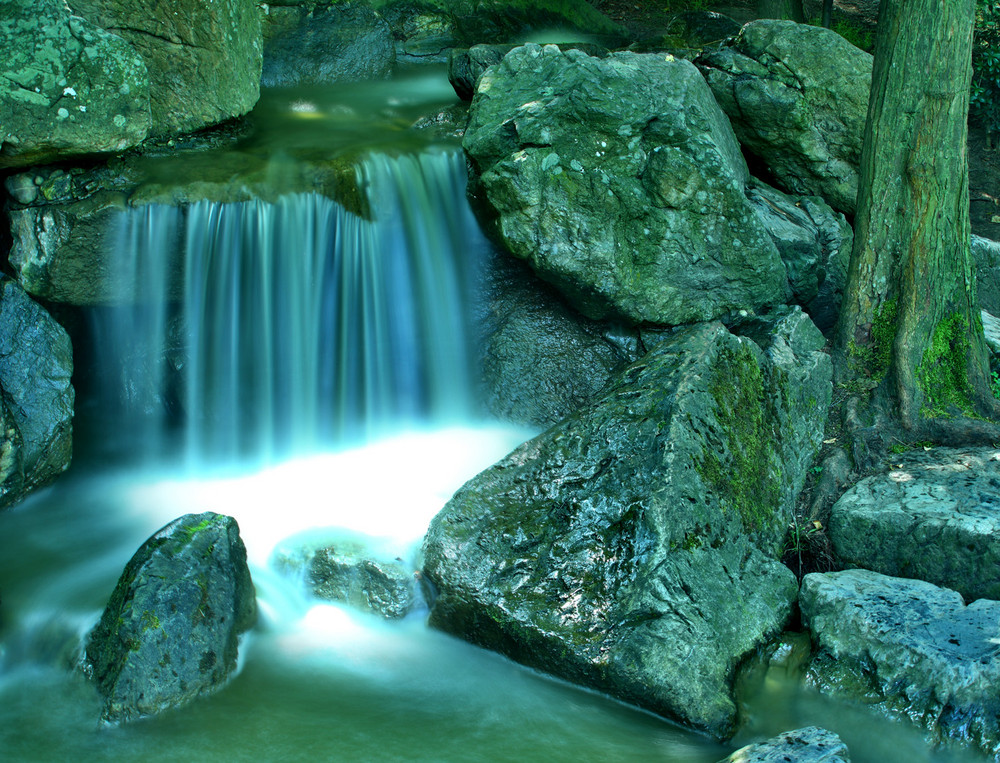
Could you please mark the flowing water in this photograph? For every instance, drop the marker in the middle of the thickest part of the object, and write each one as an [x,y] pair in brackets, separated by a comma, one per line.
[307,366]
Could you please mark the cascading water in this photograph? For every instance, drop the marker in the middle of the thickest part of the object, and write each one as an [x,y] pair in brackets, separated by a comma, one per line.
[270,328]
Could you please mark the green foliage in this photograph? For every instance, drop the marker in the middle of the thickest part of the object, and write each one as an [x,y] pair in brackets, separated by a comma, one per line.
[942,374]
[858,37]
[681,6]
[995,384]
[984,98]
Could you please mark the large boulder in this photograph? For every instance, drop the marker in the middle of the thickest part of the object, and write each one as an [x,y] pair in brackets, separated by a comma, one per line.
[986,256]
[318,45]
[169,632]
[621,182]
[204,59]
[934,516]
[67,87]
[814,243]
[808,745]
[633,547]
[909,648]
[36,395]
[798,98]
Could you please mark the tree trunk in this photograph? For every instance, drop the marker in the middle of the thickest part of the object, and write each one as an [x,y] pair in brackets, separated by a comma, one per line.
[780,9]
[827,13]
[909,326]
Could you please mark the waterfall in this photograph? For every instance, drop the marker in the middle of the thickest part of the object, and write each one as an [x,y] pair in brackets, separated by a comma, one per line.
[263,329]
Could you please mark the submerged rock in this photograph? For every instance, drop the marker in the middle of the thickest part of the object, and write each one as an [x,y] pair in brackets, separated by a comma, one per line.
[204,59]
[621,182]
[909,648]
[169,632]
[633,547]
[797,96]
[36,395]
[305,45]
[67,87]
[807,745]
[934,516]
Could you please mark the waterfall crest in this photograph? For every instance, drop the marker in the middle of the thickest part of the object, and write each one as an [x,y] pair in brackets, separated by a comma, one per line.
[267,329]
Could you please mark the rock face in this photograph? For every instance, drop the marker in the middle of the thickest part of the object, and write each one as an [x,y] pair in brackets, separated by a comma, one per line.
[66,86]
[621,182]
[340,43]
[36,395]
[910,648]
[541,359]
[934,517]
[169,632]
[986,256]
[204,59]
[798,98]
[814,243]
[808,745]
[632,547]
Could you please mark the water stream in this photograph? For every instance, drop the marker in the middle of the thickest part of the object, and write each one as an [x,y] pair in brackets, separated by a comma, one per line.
[306,368]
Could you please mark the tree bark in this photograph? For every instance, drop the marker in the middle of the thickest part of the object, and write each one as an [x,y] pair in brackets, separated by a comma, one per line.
[780,9]
[910,327]
[827,13]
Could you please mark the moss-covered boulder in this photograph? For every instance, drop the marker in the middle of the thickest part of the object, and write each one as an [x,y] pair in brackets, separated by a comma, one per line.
[622,184]
[67,87]
[634,546]
[798,98]
[36,395]
[354,576]
[913,650]
[169,632]
[310,44]
[204,59]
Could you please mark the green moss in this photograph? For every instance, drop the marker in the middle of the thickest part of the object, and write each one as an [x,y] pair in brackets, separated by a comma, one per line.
[872,360]
[745,474]
[942,374]
[149,620]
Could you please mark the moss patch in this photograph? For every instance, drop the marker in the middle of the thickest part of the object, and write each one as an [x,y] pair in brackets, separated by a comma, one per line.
[871,360]
[942,374]
[746,472]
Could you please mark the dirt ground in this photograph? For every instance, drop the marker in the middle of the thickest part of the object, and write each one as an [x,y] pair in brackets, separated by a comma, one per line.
[645,18]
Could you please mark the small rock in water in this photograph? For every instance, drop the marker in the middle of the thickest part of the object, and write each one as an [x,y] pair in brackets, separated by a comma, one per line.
[379,586]
[808,745]
[169,632]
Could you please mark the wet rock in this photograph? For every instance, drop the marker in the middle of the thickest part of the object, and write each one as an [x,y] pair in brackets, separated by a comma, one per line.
[986,256]
[815,246]
[169,632]
[908,648]
[36,395]
[67,87]
[797,96]
[934,516]
[633,547]
[621,183]
[351,576]
[541,359]
[204,59]
[340,43]
[811,744]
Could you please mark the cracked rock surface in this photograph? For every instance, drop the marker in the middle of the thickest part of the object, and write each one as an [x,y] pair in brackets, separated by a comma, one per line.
[934,516]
